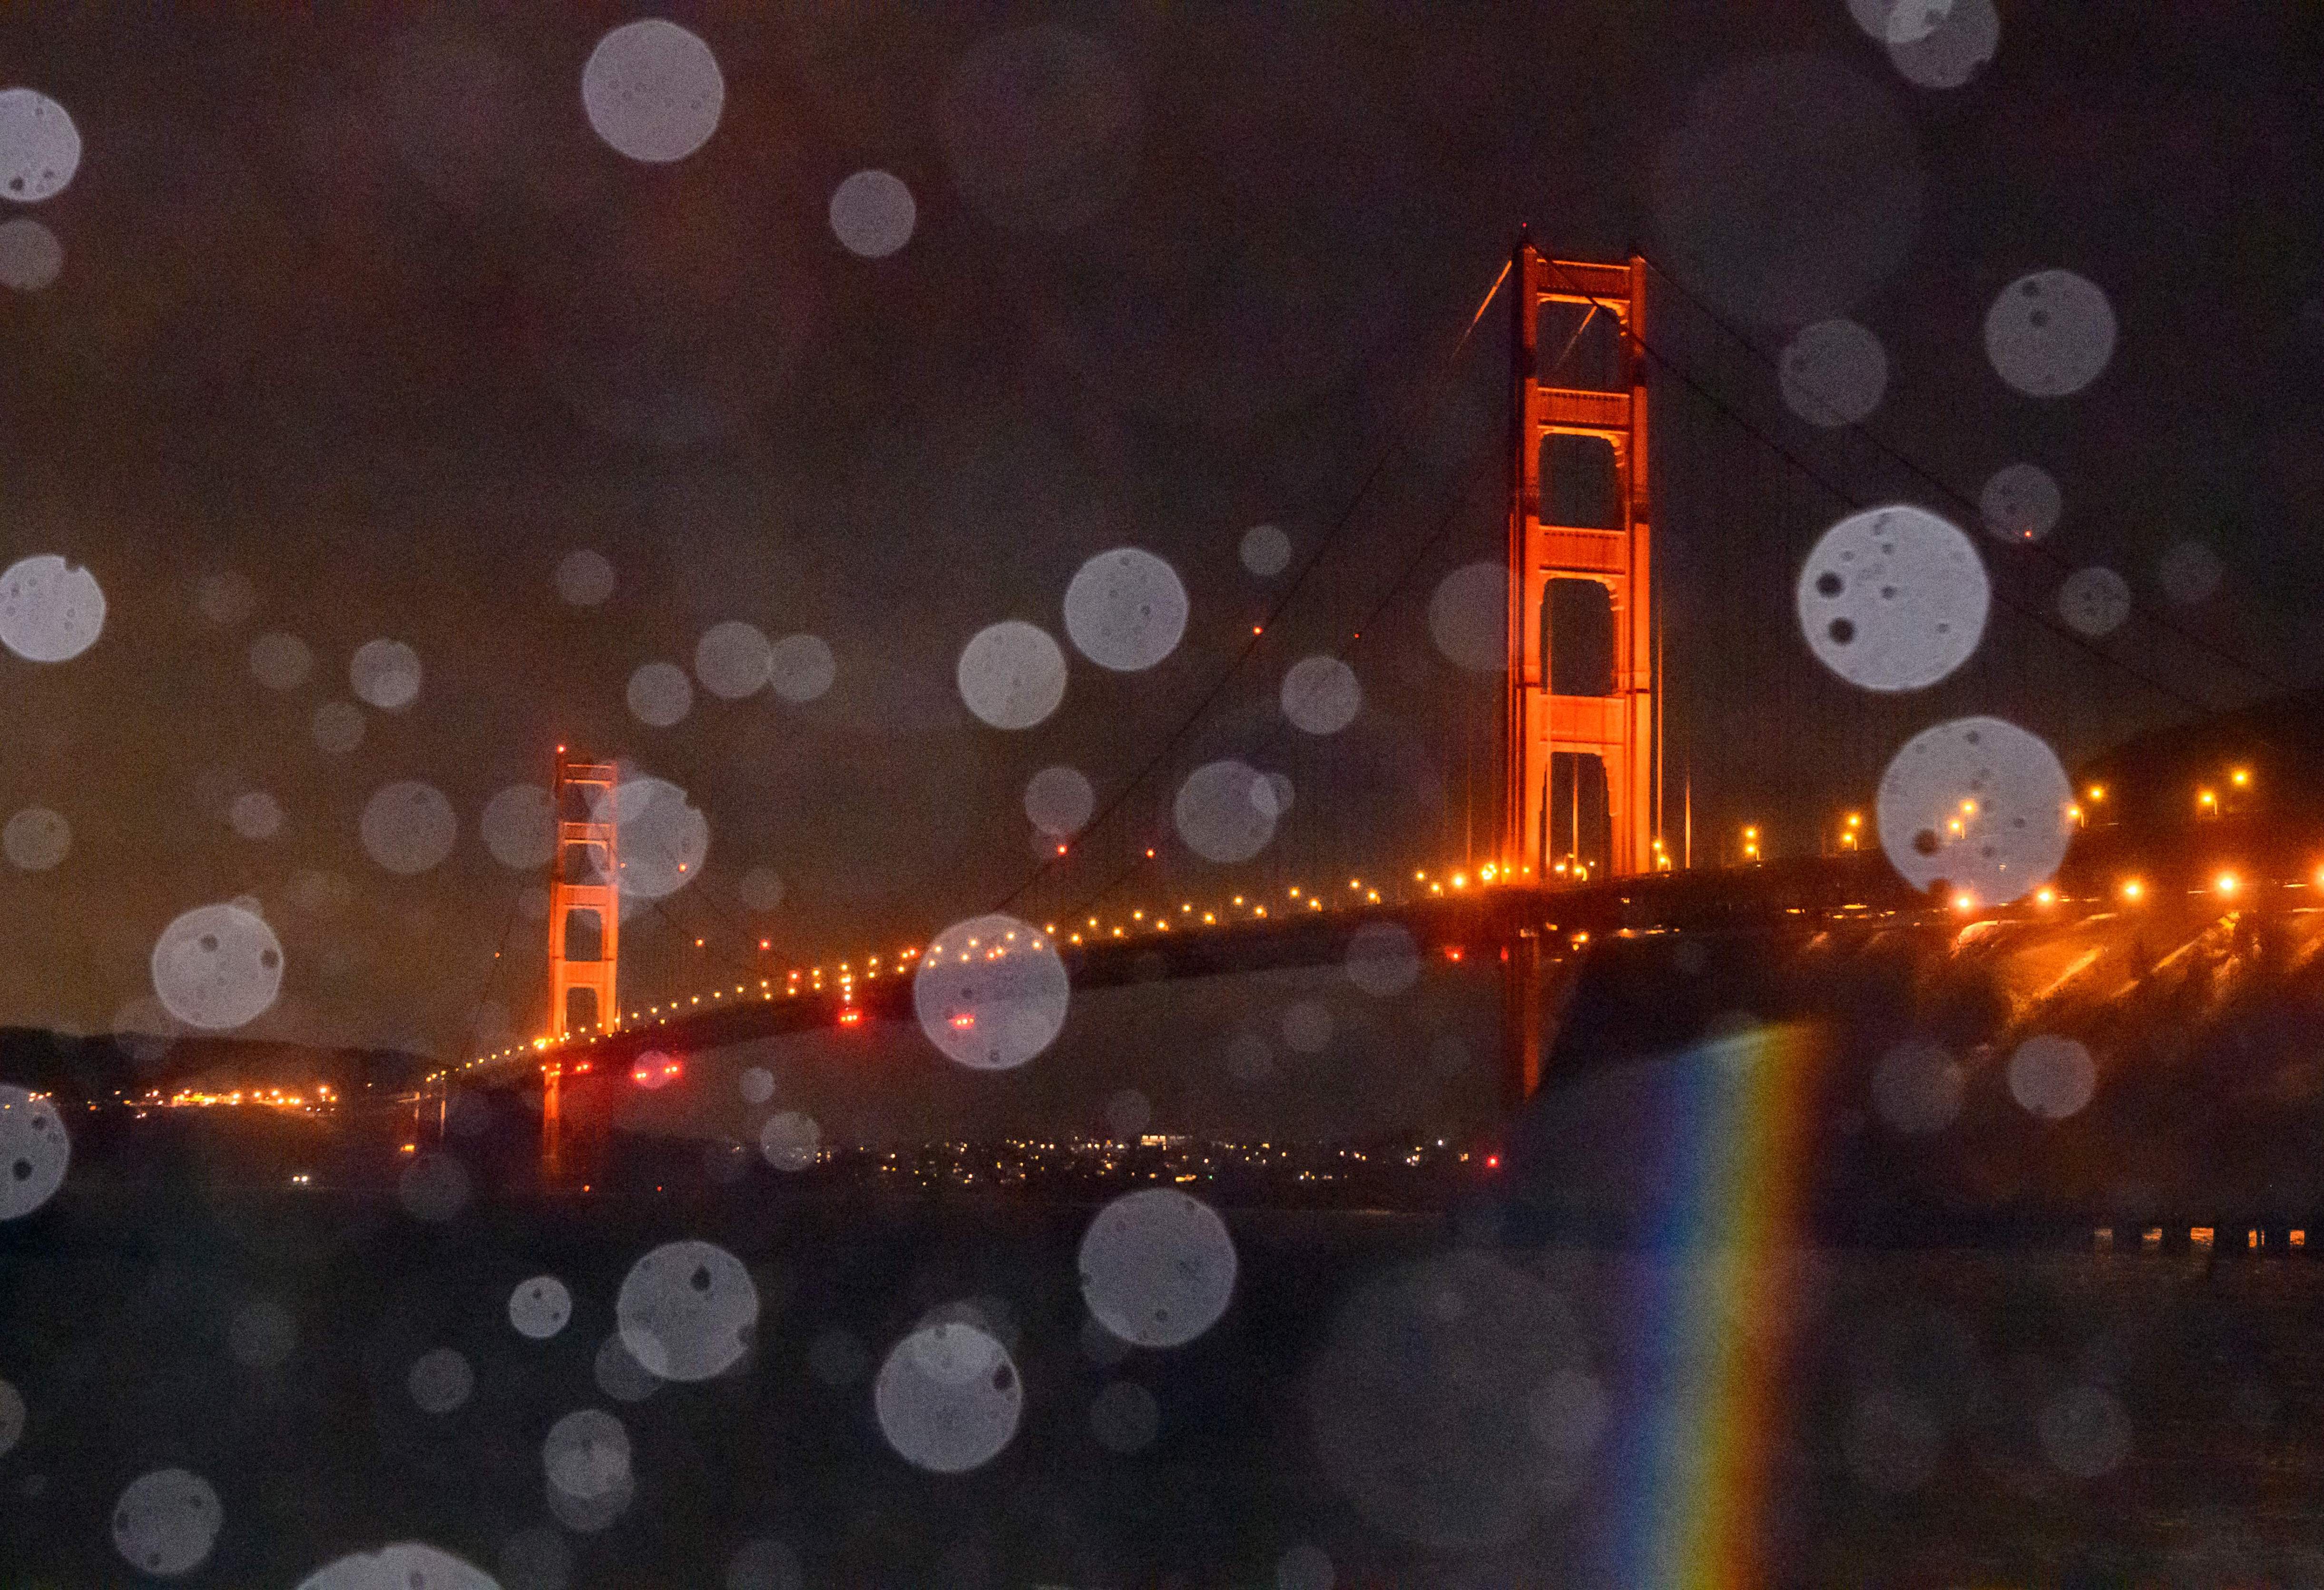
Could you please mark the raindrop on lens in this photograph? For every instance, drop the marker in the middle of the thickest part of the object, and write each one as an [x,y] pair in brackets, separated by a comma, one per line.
[217,966]
[1833,373]
[166,1521]
[948,1398]
[30,257]
[520,827]
[659,694]
[338,728]
[733,659]
[584,578]
[2051,1076]
[39,147]
[791,1140]
[1468,617]
[1126,610]
[1977,804]
[1893,598]
[409,1565]
[409,827]
[1225,811]
[34,1153]
[1124,1417]
[802,668]
[2094,601]
[539,1309]
[653,91]
[1158,1268]
[440,1381]
[255,815]
[35,839]
[1058,801]
[386,674]
[687,1310]
[1011,675]
[991,992]
[281,662]
[1321,695]
[49,612]
[1383,958]
[1266,550]
[2020,503]
[2050,334]
[872,214]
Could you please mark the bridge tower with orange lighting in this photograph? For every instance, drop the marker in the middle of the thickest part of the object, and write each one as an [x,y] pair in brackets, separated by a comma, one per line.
[584,917]
[1582,671]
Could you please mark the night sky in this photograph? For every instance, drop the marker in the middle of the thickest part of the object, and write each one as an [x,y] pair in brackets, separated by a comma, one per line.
[361,330]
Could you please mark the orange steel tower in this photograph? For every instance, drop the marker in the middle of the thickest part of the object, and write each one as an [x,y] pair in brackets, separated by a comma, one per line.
[1582,682]
[585,918]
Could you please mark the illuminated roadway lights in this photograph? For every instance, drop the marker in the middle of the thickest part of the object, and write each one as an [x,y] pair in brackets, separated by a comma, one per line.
[2045,896]
[1750,843]
[2226,884]
[2206,803]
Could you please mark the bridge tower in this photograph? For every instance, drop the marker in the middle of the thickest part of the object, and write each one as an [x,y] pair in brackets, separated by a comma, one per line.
[585,918]
[1580,704]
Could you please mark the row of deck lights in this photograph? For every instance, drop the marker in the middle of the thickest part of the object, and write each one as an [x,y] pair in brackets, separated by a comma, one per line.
[2131,891]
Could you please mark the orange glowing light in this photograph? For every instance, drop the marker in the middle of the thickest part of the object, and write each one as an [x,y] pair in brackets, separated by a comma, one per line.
[2097,792]
[850,1015]
[2227,883]
[2045,896]
[1964,902]
[965,1021]
[1452,952]
[2240,777]
[2132,889]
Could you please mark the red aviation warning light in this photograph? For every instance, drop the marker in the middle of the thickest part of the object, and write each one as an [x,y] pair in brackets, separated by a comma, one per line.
[654,1069]
[850,1015]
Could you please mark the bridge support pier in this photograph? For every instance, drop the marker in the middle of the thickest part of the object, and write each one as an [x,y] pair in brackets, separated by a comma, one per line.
[552,1125]
[1521,1019]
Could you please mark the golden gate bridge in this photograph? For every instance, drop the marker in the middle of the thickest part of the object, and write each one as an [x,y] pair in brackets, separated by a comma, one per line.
[1583,702]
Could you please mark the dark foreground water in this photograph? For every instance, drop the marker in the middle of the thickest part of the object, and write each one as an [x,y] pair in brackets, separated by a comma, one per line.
[1390,1399]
